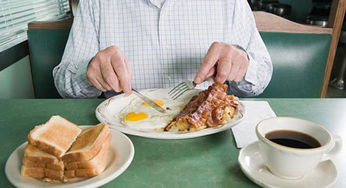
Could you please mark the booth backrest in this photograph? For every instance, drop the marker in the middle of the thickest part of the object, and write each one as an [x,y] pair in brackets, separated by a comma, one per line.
[299,60]
[300,54]
[46,47]
[299,63]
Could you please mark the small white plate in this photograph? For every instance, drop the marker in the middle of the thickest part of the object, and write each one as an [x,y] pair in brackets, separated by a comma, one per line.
[108,109]
[120,157]
[251,163]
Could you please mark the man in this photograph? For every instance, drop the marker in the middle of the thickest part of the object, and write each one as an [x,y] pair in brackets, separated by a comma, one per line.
[116,45]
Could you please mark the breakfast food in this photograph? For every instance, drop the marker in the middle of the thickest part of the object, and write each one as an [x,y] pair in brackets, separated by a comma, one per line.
[210,108]
[86,155]
[140,116]
[48,175]
[92,163]
[54,137]
[39,164]
[33,157]
[88,144]
[92,167]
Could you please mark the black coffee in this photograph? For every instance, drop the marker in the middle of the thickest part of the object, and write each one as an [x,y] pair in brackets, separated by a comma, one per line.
[293,139]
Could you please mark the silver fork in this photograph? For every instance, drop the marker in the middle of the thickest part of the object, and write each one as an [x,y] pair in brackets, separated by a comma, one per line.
[183,87]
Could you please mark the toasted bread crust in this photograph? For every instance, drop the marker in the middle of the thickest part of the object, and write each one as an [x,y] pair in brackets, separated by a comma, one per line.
[94,162]
[42,173]
[32,172]
[88,172]
[58,147]
[54,174]
[53,166]
[38,159]
[70,173]
[44,158]
[84,156]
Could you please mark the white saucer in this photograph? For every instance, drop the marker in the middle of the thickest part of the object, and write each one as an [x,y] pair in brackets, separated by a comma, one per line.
[251,163]
[119,158]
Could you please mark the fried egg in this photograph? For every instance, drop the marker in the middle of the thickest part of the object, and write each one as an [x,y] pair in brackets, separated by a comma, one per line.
[140,116]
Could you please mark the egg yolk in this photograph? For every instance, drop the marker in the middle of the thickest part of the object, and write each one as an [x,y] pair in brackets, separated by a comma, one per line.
[158,102]
[133,116]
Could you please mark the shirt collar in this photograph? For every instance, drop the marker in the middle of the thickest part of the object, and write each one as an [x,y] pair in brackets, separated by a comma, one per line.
[157,3]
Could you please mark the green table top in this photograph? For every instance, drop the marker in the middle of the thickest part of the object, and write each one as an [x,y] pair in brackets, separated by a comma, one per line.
[209,161]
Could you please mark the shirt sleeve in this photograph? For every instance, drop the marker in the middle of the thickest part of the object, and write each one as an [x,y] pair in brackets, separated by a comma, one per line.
[70,75]
[260,68]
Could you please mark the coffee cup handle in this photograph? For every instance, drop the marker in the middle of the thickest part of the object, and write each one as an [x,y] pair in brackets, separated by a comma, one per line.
[335,150]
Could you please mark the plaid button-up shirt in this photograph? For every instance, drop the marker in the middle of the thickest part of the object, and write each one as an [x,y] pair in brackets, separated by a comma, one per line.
[164,40]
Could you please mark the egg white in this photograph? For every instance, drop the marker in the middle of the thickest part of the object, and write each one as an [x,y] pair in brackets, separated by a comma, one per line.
[156,121]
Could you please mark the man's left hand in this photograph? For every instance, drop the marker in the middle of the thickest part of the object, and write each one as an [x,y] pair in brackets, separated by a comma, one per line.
[229,62]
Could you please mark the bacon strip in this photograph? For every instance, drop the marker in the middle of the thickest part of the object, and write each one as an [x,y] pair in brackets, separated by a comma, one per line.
[206,109]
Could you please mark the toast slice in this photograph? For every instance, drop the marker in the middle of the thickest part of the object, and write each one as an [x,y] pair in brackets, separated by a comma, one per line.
[42,173]
[88,144]
[53,166]
[33,154]
[84,173]
[91,168]
[95,161]
[55,137]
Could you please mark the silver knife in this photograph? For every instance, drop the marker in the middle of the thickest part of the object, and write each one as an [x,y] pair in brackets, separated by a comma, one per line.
[149,101]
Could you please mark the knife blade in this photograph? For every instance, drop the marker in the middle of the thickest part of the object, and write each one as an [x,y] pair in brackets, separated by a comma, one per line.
[149,101]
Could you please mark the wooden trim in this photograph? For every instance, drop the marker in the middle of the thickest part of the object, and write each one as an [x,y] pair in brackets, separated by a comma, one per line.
[59,24]
[336,19]
[73,6]
[267,22]
[13,54]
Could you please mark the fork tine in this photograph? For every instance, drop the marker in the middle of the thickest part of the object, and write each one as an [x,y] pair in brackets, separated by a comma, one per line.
[182,91]
[177,90]
[180,94]
[176,87]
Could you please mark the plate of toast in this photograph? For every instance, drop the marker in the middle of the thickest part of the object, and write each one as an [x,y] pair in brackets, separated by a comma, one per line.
[62,154]
[194,114]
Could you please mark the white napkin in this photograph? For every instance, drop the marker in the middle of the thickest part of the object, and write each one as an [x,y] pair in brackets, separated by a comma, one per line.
[244,132]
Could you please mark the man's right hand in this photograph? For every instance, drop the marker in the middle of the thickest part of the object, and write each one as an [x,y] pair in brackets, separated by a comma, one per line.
[110,70]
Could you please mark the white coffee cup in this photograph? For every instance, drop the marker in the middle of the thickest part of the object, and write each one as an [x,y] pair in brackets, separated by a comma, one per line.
[294,163]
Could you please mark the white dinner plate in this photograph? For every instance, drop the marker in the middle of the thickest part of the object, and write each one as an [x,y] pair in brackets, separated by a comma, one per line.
[119,158]
[107,112]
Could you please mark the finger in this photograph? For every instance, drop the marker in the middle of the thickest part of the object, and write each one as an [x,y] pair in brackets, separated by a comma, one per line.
[236,64]
[223,69]
[211,72]
[129,70]
[98,85]
[92,77]
[122,73]
[109,76]
[208,62]
[111,79]
[99,78]
[95,83]
[92,74]
[103,83]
